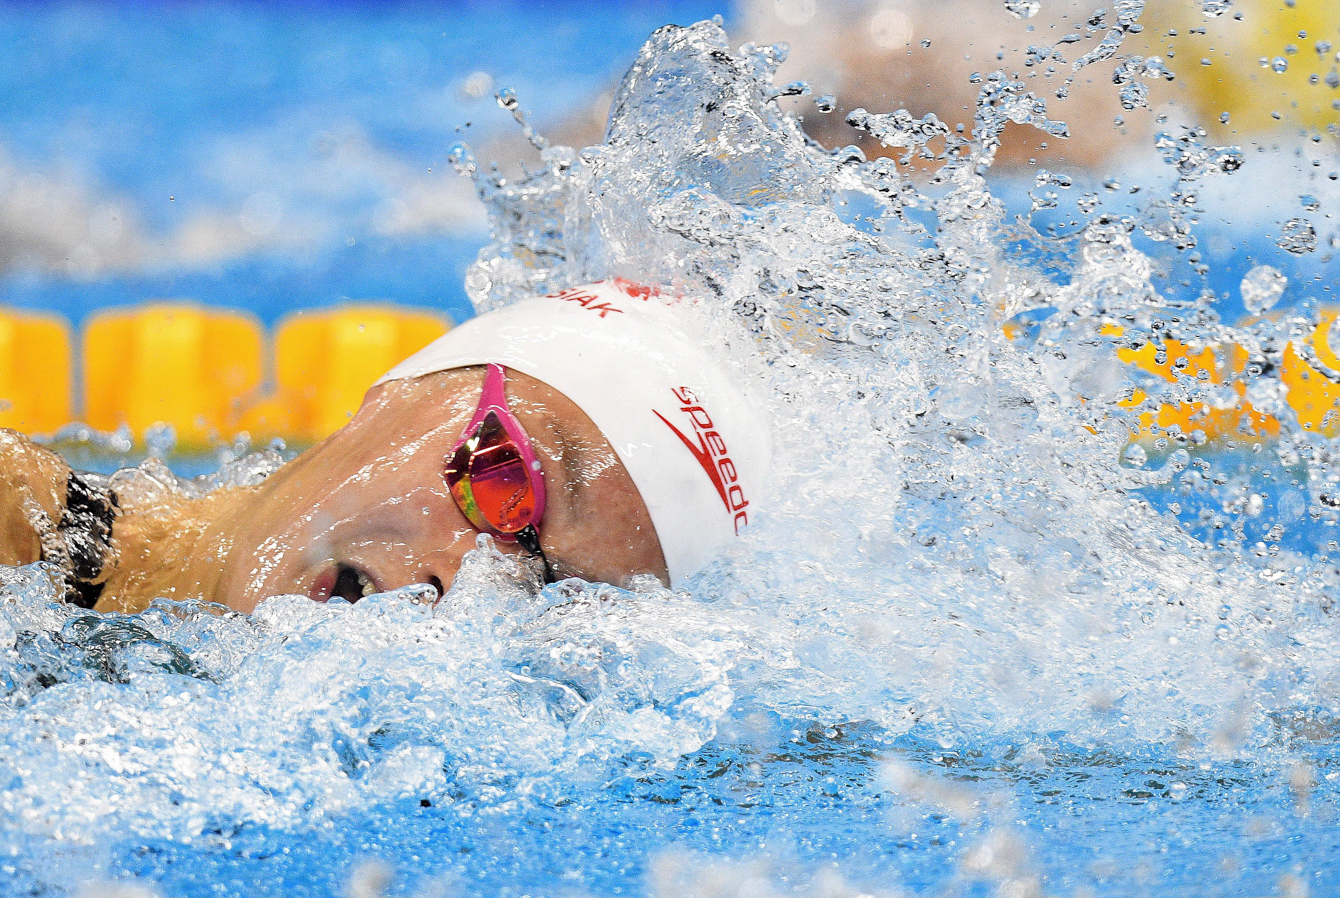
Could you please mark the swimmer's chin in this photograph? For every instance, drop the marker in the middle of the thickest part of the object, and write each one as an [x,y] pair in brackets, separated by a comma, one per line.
[344,580]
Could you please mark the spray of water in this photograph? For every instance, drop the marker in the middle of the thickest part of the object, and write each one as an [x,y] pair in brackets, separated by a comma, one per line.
[959,546]
[956,493]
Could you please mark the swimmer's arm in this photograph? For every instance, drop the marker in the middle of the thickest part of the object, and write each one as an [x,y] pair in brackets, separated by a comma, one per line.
[32,497]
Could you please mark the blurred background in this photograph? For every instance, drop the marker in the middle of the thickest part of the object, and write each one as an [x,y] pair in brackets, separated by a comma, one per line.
[275,159]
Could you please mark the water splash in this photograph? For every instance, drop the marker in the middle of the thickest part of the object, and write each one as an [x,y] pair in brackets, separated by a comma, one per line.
[974,443]
[968,570]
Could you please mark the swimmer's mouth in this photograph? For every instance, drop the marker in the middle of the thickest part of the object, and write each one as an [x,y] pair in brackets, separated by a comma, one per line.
[343,581]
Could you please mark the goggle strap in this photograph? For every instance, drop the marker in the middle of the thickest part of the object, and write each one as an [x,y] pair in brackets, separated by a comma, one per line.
[528,539]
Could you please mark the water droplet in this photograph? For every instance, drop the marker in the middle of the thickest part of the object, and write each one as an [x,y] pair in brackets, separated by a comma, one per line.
[1223,118]
[507,99]
[1022,9]
[1262,288]
[1297,237]
[1135,455]
[1310,203]
[794,89]
[1279,64]
[1204,60]
[477,84]
[825,104]
[926,43]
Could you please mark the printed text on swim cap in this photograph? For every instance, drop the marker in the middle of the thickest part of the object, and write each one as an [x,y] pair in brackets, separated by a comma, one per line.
[712,454]
[589,302]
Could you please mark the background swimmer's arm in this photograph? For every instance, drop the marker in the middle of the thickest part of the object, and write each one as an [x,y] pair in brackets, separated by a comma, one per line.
[32,497]
[51,513]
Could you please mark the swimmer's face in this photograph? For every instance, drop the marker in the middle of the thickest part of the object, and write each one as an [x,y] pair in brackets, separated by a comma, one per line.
[367,510]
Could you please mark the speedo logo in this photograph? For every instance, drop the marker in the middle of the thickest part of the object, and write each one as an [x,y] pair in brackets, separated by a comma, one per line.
[590,302]
[712,454]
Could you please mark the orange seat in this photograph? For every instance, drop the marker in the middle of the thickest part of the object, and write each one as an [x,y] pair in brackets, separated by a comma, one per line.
[325,360]
[172,363]
[36,371]
[1314,392]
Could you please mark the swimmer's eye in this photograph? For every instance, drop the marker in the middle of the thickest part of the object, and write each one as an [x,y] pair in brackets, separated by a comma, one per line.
[351,584]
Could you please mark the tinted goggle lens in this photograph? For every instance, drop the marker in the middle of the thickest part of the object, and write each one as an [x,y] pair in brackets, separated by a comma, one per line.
[487,477]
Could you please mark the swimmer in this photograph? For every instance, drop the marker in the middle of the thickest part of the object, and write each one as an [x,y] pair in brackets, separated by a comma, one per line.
[583,431]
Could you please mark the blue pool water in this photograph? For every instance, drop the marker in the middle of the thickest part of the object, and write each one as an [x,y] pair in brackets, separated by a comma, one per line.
[970,648]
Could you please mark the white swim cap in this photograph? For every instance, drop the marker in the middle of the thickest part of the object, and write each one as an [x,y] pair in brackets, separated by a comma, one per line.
[697,449]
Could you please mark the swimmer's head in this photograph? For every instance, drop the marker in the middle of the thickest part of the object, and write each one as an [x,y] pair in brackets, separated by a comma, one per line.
[695,447]
[652,458]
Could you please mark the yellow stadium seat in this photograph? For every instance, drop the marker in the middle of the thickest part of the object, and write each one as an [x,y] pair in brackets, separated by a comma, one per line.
[36,370]
[1291,84]
[171,363]
[325,360]
[1223,364]
[1314,394]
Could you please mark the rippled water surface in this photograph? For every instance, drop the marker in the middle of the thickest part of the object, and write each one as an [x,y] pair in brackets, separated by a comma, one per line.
[979,642]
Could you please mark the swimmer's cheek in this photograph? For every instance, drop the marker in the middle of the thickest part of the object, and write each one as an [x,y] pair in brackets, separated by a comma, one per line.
[32,489]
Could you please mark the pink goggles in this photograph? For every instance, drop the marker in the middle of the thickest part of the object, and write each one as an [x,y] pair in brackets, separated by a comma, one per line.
[493,473]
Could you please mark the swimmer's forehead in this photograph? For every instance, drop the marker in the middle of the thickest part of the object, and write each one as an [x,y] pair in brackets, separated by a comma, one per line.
[438,405]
